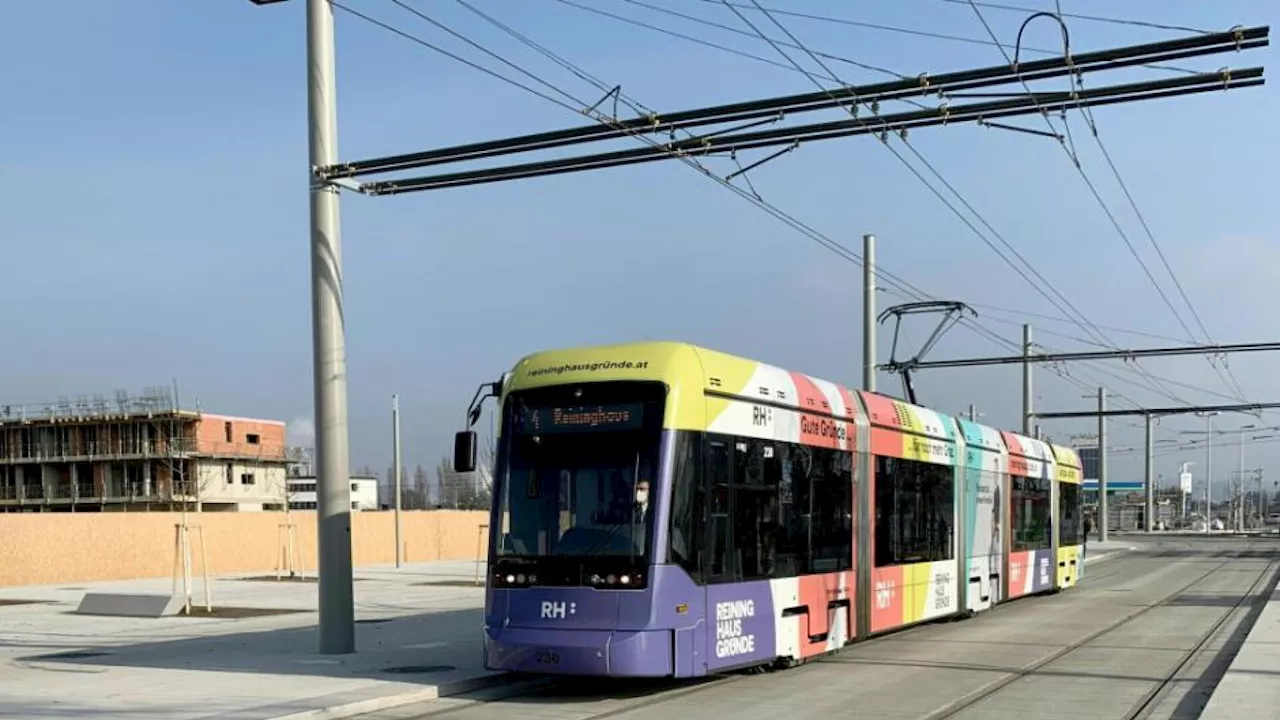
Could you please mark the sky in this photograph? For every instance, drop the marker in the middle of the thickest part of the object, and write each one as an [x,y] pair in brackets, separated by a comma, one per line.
[156,223]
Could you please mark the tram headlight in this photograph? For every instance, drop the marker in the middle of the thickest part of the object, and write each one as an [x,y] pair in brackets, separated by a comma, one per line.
[627,580]
[512,578]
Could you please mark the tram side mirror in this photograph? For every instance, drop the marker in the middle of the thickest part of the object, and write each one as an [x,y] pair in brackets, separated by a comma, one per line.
[464,451]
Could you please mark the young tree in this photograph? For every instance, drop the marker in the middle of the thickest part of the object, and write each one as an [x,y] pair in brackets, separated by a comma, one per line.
[420,482]
[466,491]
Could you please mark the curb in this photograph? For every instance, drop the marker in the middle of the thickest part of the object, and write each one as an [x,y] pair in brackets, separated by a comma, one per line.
[386,702]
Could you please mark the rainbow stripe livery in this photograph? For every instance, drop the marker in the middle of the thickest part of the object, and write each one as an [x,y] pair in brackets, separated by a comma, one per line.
[666,510]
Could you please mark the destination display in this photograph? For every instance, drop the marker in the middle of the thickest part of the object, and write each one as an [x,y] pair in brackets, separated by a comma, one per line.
[583,418]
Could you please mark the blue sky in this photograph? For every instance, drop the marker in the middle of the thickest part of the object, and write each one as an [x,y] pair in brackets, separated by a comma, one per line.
[156,211]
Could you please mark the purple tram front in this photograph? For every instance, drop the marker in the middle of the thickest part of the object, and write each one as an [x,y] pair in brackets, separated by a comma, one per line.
[584,578]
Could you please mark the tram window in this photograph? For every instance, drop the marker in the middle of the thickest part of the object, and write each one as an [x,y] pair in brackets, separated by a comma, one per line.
[688,500]
[991,503]
[794,508]
[755,507]
[719,562]
[774,510]
[1069,514]
[914,511]
[1031,514]
[831,496]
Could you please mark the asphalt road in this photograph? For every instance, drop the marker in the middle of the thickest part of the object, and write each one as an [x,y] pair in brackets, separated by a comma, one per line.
[1146,635]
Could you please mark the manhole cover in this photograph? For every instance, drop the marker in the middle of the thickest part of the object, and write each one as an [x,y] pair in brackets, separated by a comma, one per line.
[374,621]
[419,669]
[73,655]
[8,601]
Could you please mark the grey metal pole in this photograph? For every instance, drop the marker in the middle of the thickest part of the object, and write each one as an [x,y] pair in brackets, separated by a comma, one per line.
[1239,514]
[1262,500]
[395,469]
[869,313]
[1103,519]
[333,482]
[1208,471]
[1027,400]
[1151,482]
[973,413]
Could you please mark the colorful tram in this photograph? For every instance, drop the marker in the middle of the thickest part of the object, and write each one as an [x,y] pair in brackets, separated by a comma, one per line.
[665,510]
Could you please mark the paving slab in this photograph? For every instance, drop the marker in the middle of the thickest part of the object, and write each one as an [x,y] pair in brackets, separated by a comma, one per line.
[1250,689]
[418,634]
[1096,652]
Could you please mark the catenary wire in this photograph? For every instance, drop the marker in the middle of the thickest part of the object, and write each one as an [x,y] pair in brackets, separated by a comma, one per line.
[475,66]
[1093,18]
[1075,159]
[892,28]
[719,25]
[919,175]
[1230,379]
[1057,319]
[602,87]
[943,199]
[727,28]
[700,41]
[1084,341]
[1160,378]
[900,286]
[820,63]
[1084,175]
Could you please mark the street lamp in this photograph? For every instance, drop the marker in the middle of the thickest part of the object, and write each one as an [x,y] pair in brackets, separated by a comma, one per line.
[1240,502]
[1184,489]
[1237,503]
[1208,468]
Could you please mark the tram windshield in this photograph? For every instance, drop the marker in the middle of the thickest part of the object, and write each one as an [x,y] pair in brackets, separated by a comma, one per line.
[577,471]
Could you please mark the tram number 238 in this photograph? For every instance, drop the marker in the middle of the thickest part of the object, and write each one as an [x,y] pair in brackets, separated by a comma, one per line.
[546,657]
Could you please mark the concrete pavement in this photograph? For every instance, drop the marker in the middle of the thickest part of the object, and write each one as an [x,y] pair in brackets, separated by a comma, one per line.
[1250,689]
[1146,632]
[418,635]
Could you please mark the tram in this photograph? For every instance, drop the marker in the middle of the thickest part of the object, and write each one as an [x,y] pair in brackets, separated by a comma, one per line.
[665,510]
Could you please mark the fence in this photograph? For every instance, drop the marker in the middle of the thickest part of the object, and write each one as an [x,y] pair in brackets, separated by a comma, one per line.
[50,548]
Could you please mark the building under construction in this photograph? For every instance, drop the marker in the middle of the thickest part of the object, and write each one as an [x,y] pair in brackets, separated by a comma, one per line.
[138,453]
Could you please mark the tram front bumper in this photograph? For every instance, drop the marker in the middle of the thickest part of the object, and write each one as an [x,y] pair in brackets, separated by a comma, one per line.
[612,653]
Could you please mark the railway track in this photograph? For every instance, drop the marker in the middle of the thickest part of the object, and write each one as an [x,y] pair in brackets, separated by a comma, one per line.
[1149,698]
[632,696]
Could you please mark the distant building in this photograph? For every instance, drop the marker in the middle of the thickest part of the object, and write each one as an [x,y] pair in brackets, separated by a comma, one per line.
[138,453]
[302,492]
[1088,462]
[1116,485]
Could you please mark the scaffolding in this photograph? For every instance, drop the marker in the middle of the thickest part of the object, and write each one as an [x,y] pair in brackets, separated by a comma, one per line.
[138,449]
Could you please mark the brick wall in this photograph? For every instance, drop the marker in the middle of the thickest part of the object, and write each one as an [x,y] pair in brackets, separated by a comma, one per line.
[212,433]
